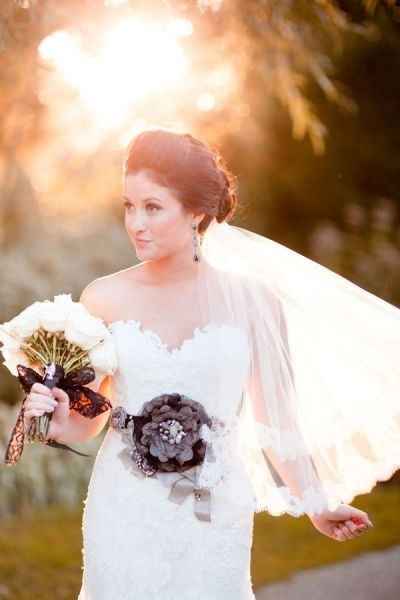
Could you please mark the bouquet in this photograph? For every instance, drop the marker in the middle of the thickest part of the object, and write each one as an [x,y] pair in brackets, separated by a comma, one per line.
[56,343]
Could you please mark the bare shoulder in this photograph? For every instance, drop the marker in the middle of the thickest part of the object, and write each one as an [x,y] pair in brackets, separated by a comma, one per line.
[101,295]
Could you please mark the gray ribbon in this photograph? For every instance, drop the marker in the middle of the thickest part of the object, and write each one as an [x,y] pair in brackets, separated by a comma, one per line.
[184,484]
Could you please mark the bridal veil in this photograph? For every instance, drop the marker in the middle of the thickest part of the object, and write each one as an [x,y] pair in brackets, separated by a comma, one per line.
[320,418]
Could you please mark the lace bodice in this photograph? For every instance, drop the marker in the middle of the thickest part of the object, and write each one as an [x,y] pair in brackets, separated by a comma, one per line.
[147,367]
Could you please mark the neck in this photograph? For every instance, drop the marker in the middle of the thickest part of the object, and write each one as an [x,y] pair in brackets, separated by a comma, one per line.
[172,269]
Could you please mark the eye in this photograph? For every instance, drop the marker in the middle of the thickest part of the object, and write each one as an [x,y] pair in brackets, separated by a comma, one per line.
[128,205]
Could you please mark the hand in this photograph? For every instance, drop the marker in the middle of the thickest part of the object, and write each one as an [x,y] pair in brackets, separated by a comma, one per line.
[40,400]
[344,523]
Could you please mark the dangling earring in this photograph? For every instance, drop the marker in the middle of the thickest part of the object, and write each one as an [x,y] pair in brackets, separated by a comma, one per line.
[196,252]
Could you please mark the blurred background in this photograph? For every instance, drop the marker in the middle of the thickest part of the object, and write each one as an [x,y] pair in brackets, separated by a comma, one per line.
[302,99]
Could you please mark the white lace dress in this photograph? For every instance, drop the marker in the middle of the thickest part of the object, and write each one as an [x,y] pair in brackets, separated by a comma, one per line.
[137,543]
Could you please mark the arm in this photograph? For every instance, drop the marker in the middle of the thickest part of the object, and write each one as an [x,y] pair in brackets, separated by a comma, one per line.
[283,447]
[287,461]
[78,428]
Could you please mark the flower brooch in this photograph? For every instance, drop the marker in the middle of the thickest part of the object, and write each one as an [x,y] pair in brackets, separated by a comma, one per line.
[168,435]
[168,439]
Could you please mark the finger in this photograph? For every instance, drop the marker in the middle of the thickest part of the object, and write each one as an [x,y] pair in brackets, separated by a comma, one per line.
[36,397]
[350,534]
[338,534]
[351,526]
[34,412]
[361,515]
[42,408]
[46,405]
[41,389]
[346,532]
[353,533]
[364,523]
[357,533]
[362,527]
[41,402]
[60,395]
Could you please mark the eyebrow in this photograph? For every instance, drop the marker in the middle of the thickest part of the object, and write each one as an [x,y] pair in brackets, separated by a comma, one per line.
[148,198]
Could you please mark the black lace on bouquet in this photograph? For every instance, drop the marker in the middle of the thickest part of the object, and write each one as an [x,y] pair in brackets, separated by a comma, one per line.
[81,398]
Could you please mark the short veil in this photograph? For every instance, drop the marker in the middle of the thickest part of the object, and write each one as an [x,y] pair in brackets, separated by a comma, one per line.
[320,412]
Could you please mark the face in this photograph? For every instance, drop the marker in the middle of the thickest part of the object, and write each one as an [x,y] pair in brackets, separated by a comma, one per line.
[156,222]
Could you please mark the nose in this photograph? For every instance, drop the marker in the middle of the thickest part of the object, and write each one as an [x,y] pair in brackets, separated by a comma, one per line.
[137,223]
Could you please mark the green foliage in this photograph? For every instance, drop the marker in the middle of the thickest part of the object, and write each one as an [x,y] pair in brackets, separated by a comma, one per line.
[285,43]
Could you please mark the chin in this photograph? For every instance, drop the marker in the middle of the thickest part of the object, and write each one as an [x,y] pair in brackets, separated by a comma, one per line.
[143,252]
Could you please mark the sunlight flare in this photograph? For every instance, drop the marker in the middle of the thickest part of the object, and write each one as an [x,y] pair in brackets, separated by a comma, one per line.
[133,59]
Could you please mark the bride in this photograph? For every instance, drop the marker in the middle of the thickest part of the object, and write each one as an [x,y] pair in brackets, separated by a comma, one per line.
[246,332]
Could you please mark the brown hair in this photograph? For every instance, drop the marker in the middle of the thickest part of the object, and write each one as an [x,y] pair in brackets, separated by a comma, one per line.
[195,171]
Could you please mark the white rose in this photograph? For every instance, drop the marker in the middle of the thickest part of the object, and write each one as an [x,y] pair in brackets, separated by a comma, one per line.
[71,308]
[52,317]
[103,357]
[64,300]
[77,308]
[12,359]
[83,329]
[9,342]
[26,322]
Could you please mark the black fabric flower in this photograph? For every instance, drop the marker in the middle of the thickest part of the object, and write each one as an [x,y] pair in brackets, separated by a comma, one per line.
[166,436]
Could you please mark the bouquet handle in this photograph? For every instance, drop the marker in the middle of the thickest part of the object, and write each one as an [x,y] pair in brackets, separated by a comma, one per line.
[39,426]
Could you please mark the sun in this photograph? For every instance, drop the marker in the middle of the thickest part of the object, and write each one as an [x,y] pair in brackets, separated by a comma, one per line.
[132,60]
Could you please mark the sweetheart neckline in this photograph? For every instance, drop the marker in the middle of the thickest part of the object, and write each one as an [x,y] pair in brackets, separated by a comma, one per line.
[155,336]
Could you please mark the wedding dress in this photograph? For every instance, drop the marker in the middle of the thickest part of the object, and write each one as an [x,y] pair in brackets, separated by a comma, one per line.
[139,545]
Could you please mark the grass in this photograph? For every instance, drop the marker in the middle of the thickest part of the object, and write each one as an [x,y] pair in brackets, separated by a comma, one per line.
[40,556]
[40,553]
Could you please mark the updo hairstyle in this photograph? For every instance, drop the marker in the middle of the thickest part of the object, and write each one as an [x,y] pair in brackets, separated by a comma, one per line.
[195,171]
